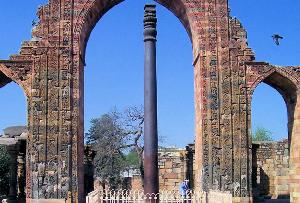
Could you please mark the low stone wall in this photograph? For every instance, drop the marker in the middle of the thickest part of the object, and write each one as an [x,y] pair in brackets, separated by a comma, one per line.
[172,167]
[271,169]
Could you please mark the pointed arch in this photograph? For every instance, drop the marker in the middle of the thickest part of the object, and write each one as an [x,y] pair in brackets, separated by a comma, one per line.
[287,84]
[93,10]
[278,78]
[7,76]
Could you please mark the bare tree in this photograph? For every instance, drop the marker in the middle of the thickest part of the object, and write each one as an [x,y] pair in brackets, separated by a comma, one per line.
[134,128]
[112,136]
[119,133]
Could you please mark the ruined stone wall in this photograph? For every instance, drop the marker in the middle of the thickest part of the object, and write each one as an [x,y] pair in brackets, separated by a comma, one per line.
[271,169]
[175,165]
[172,168]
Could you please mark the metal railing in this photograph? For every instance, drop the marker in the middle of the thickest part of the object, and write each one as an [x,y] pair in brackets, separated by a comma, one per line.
[138,196]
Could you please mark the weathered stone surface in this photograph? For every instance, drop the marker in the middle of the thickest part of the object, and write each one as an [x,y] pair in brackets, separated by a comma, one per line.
[173,169]
[271,169]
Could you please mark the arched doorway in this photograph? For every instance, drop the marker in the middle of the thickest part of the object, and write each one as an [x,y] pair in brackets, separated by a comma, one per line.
[13,104]
[13,135]
[270,163]
[121,70]
[273,161]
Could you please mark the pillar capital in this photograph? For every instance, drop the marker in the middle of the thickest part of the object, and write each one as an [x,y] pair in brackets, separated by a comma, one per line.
[150,21]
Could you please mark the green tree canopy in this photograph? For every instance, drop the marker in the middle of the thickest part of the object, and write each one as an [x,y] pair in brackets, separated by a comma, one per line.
[132,160]
[106,137]
[262,134]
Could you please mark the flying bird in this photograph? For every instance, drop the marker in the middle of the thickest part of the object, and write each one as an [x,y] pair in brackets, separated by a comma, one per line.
[276,38]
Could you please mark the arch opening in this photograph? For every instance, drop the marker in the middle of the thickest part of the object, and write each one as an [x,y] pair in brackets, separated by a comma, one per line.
[13,130]
[95,10]
[273,116]
[4,80]
[14,101]
[122,74]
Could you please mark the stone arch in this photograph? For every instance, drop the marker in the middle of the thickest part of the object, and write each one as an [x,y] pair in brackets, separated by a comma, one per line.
[85,19]
[288,86]
[7,75]
[16,151]
[285,84]
[93,10]
[271,73]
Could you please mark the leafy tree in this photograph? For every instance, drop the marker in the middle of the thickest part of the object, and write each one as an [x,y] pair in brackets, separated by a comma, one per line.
[132,160]
[4,171]
[107,138]
[262,134]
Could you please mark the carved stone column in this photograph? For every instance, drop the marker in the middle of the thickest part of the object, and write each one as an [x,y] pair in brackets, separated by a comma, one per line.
[13,165]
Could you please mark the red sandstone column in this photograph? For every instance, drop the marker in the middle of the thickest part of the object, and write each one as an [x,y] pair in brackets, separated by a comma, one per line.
[294,181]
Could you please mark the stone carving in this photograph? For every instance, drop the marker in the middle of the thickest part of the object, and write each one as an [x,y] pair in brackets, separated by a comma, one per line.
[49,68]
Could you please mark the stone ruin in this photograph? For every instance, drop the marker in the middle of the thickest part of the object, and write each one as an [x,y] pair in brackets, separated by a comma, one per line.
[14,139]
[175,165]
[50,67]
[270,166]
[270,174]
